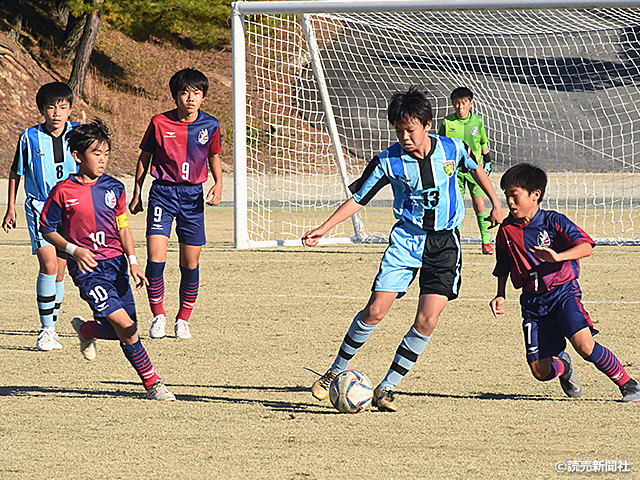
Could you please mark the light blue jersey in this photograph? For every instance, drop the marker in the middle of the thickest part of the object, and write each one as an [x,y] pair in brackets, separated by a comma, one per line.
[43,160]
[425,190]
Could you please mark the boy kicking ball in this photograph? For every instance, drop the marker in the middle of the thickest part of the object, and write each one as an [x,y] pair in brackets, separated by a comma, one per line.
[92,209]
[540,249]
[422,171]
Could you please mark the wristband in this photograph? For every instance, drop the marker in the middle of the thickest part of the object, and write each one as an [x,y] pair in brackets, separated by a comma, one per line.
[71,248]
[133,260]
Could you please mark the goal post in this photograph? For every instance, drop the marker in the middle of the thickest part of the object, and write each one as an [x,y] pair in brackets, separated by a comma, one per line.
[557,84]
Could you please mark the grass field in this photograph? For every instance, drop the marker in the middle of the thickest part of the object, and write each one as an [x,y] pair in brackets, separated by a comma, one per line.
[469,409]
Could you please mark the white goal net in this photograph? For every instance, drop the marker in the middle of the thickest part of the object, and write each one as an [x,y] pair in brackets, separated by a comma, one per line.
[558,88]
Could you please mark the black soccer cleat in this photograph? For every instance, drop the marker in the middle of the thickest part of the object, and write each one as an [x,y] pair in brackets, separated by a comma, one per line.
[568,379]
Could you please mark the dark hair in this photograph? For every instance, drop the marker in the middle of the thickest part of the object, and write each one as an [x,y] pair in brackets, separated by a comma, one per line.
[188,77]
[410,104]
[461,92]
[527,176]
[52,93]
[82,136]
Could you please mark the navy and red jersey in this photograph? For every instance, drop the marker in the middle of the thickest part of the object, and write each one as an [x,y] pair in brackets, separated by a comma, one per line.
[180,149]
[88,214]
[514,254]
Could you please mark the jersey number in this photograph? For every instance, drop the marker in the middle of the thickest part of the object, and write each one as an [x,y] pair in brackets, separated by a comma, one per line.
[535,280]
[431,198]
[99,294]
[98,239]
[185,171]
[157,214]
[59,171]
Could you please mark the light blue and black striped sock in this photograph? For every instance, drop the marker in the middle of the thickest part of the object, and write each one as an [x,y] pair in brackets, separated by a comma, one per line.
[59,297]
[410,349]
[353,340]
[46,297]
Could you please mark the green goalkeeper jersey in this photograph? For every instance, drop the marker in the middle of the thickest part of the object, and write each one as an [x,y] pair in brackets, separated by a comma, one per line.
[471,130]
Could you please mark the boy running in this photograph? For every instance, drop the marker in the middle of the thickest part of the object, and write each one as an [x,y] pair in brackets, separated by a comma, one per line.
[43,158]
[421,169]
[92,209]
[540,249]
[178,144]
[469,127]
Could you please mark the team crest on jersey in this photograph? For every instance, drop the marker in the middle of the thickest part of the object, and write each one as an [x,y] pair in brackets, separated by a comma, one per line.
[203,136]
[544,240]
[449,167]
[474,131]
[110,199]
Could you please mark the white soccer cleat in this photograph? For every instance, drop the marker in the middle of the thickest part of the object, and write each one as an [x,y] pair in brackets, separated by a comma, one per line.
[158,326]
[87,345]
[48,340]
[181,329]
[160,392]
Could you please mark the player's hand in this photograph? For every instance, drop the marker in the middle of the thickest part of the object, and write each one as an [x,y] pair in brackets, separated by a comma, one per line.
[135,206]
[487,168]
[312,237]
[9,221]
[496,306]
[215,194]
[84,259]
[138,277]
[495,217]
[546,254]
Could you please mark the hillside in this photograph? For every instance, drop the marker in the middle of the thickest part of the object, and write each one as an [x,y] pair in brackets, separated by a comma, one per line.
[127,83]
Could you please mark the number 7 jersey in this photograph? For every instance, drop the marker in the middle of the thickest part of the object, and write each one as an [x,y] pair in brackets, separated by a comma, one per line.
[88,214]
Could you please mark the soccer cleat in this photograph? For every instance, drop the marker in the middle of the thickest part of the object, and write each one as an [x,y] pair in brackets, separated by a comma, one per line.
[320,388]
[487,249]
[160,392]
[181,329]
[568,379]
[87,346]
[383,399]
[48,340]
[630,391]
[158,324]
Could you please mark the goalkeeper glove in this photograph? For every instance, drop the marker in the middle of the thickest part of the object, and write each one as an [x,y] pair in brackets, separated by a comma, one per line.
[486,163]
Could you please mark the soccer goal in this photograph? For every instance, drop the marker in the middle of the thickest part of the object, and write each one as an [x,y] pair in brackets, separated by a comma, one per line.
[557,83]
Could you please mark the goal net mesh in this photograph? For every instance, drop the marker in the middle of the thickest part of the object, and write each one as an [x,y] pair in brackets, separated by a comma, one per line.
[558,88]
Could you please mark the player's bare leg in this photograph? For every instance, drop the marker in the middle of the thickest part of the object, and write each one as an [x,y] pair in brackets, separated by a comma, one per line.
[359,331]
[156,260]
[607,363]
[49,273]
[430,306]
[560,367]
[189,286]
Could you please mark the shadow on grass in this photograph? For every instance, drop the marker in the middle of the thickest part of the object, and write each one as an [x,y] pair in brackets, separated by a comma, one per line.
[498,396]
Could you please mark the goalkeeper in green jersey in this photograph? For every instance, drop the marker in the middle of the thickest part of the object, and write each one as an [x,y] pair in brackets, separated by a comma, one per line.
[469,127]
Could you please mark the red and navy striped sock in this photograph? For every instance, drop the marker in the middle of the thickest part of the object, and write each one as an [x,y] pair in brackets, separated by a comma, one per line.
[137,356]
[189,285]
[608,363]
[155,290]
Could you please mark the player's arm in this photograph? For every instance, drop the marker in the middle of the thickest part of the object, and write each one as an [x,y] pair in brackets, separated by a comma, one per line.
[482,179]
[344,211]
[144,159]
[215,192]
[581,250]
[498,300]
[126,238]
[9,220]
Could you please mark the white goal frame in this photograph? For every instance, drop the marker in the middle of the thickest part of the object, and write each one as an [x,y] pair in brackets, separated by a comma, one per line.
[304,8]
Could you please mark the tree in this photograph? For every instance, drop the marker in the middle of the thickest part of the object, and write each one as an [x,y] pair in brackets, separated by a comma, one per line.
[85,47]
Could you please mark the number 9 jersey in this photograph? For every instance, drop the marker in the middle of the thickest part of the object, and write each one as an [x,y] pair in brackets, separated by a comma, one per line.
[89,213]
[180,149]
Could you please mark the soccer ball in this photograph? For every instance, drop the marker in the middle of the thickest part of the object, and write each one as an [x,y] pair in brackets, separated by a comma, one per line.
[350,392]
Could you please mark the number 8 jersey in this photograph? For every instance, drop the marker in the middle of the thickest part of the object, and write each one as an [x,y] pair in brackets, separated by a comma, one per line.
[180,149]
[88,212]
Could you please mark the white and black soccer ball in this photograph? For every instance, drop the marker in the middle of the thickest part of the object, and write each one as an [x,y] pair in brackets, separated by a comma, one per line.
[350,391]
